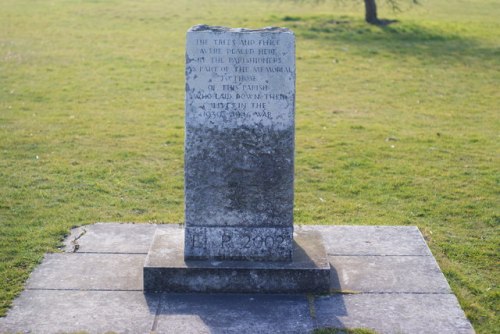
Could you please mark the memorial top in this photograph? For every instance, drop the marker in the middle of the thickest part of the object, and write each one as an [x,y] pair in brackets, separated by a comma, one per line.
[205,27]
[240,78]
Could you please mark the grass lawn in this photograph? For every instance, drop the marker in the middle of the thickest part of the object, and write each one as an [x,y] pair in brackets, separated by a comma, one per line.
[395,126]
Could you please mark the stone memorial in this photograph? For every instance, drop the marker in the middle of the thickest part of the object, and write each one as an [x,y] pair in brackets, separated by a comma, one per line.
[240,93]
[239,165]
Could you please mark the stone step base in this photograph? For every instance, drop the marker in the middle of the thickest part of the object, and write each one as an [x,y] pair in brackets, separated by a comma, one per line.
[166,270]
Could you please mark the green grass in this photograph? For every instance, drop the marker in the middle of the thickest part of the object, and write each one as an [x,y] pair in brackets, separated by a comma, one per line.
[395,126]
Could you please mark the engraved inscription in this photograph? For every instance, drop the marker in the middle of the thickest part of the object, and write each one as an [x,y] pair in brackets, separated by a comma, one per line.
[229,240]
[198,239]
[227,243]
[240,78]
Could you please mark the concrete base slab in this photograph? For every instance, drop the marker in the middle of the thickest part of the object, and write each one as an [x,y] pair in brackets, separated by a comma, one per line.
[393,313]
[408,274]
[234,313]
[112,238]
[166,270]
[66,311]
[382,277]
[89,271]
[371,240]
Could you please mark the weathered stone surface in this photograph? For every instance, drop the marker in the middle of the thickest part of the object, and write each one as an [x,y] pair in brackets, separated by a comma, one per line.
[409,274]
[167,270]
[393,313]
[89,271]
[67,311]
[239,148]
[233,313]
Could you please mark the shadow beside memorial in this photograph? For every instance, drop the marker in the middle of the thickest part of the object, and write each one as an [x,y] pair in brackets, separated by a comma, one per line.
[401,39]
[238,312]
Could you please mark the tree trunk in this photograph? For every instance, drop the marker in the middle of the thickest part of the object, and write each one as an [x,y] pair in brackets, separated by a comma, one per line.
[371,12]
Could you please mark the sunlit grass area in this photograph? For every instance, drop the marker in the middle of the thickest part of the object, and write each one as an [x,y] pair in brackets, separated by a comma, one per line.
[395,125]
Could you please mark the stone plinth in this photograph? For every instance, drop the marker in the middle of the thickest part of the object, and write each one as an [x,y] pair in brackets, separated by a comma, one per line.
[239,156]
[167,270]
[239,147]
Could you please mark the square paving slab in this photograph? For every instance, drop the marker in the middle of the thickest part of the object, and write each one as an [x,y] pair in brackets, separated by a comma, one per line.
[234,313]
[393,313]
[89,271]
[382,277]
[372,240]
[409,274]
[112,238]
[68,311]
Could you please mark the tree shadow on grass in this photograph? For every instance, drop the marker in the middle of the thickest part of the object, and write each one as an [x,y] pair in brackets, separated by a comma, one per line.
[398,38]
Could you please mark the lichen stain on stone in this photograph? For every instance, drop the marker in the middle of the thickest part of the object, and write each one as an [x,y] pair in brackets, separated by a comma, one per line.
[244,172]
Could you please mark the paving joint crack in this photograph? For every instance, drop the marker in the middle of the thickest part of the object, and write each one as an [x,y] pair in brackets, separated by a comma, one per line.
[157,313]
[398,293]
[76,289]
[115,253]
[74,242]
[312,310]
[379,255]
